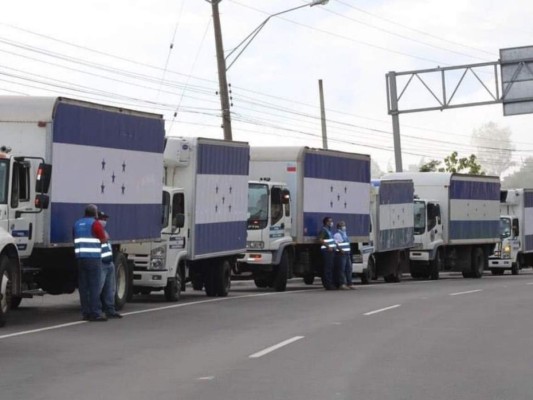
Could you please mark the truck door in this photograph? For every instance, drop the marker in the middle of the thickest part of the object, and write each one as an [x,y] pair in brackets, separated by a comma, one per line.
[177,232]
[21,225]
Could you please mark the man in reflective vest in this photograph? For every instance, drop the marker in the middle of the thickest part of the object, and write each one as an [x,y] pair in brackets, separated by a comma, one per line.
[88,238]
[328,253]
[343,258]
[109,285]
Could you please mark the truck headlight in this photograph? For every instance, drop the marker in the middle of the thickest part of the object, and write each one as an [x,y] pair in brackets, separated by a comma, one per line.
[157,257]
[255,244]
[506,251]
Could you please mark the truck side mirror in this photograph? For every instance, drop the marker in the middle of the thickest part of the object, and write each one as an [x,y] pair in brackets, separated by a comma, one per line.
[44,175]
[42,201]
[285,196]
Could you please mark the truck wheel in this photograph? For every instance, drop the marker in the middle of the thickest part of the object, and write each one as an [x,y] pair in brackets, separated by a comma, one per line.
[436,265]
[5,288]
[368,272]
[222,279]
[497,271]
[478,262]
[517,266]
[281,273]
[123,281]
[173,288]
[309,279]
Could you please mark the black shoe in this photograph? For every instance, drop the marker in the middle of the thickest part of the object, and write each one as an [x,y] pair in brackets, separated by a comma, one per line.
[99,318]
[330,288]
[115,315]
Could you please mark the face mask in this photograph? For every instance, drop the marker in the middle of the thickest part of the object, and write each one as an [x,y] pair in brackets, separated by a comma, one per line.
[330,224]
[103,223]
[343,228]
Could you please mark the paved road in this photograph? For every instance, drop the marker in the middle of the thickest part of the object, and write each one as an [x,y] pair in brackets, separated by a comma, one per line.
[449,339]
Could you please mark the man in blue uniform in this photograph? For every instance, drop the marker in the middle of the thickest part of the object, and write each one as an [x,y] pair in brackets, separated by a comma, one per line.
[88,238]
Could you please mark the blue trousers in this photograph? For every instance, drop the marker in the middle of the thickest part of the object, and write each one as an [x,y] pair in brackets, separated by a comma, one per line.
[89,278]
[343,269]
[108,288]
[328,258]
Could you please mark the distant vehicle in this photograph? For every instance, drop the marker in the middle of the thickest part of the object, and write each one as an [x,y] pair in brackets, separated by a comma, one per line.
[515,249]
[456,222]
[57,155]
[303,185]
[204,219]
[391,236]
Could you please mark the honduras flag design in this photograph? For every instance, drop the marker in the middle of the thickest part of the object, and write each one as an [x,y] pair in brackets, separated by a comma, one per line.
[112,159]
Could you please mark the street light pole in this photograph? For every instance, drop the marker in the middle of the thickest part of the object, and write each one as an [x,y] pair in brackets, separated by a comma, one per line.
[222,79]
[221,60]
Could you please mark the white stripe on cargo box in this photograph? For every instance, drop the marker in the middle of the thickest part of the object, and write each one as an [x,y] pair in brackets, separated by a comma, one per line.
[221,198]
[396,216]
[84,174]
[329,196]
[475,210]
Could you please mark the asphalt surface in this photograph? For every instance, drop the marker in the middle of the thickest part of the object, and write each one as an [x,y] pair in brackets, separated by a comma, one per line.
[449,339]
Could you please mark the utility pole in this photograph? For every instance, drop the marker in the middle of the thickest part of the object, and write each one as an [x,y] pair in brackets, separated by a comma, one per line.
[393,96]
[323,115]
[222,79]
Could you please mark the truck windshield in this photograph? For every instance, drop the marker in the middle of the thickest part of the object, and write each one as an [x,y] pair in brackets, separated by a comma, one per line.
[257,205]
[420,217]
[505,227]
[4,168]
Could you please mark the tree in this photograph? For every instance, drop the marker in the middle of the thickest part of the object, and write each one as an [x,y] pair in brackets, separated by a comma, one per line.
[452,163]
[375,170]
[520,178]
[494,147]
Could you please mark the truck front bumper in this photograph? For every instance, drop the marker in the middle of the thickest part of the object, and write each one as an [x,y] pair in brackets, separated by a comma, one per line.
[256,258]
[502,263]
[150,278]
[357,268]
[419,256]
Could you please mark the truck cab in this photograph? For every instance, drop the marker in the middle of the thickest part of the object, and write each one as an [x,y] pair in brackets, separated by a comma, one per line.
[428,238]
[160,265]
[506,255]
[269,242]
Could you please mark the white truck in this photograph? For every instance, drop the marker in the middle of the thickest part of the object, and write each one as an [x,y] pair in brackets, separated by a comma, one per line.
[57,156]
[456,222]
[391,234]
[204,219]
[269,242]
[514,251]
[305,185]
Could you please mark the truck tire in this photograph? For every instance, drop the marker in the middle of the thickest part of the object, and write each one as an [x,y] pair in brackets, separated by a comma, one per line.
[309,279]
[478,262]
[436,265]
[222,278]
[517,266]
[124,288]
[279,283]
[173,288]
[5,288]
[261,283]
[369,272]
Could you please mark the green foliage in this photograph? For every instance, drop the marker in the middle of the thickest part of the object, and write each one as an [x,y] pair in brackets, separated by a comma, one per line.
[453,163]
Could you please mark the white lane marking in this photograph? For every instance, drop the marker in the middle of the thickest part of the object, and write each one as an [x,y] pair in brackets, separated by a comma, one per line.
[191,303]
[467,292]
[206,378]
[382,309]
[48,328]
[275,347]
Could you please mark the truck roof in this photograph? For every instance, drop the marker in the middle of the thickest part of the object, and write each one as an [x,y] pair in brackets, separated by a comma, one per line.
[294,153]
[41,108]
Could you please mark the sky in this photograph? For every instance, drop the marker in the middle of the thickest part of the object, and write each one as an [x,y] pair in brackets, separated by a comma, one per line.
[159,56]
